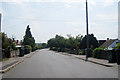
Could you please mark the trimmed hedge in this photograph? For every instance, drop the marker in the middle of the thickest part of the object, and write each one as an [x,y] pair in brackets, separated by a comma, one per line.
[28,49]
[97,52]
[57,49]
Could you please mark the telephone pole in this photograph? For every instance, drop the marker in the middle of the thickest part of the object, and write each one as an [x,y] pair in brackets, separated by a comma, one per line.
[87,51]
[0,21]
[0,39]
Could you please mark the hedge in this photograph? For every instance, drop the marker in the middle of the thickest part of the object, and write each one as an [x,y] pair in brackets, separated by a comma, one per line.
[97,52]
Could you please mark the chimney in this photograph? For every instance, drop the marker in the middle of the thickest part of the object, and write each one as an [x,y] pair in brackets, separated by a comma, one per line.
[108,39]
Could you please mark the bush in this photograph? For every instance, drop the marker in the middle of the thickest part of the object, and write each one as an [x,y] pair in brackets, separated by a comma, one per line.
[54,49]
[59,49]
[28,49]
[7,52]
[97,52]
[118,46]
[80,52]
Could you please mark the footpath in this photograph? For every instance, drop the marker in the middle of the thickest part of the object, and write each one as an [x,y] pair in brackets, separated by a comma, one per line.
[93,60]
[12,62]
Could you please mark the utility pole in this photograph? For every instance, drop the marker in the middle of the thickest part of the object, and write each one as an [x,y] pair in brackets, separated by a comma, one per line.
[0,21]
[0,39]
[87,51]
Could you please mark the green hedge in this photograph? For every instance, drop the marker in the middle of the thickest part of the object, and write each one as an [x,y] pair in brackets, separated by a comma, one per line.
[53,48]
[97,52]
[118,46]
[57,49]
[28,49]
[80,52]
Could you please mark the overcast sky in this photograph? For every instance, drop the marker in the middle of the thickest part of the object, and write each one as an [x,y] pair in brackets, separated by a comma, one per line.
[50,17]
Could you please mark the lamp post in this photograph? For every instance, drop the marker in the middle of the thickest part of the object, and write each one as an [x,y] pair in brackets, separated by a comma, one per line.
[87,51]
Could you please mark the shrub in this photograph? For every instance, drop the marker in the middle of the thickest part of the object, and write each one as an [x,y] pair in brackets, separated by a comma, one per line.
[97,52]
[80,52]
[59,49]
[7,51]
[28,49]
[118,46]
[53,48]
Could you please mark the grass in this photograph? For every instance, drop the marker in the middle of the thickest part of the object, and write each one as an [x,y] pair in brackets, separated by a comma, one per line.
[5,59]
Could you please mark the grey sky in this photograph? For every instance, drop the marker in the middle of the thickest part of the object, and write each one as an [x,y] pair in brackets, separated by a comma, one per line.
[50,17]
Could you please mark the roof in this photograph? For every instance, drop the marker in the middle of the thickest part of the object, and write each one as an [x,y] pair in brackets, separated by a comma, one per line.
[108,43]
[17,42]
[100,42]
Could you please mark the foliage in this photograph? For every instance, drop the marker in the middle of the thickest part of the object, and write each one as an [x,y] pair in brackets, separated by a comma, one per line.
[7,45]
[53,48]
[40,46]
[97,52]
[28,39]
[93,43]
[61,42]
[28,46]
[58,41]
[43,45]
[5,59]
[118,46]
[80,52]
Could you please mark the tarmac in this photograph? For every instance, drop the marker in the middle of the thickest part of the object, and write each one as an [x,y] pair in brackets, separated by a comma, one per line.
[12,62]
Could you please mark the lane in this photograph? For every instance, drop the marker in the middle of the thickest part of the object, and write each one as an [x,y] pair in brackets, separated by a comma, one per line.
[49,64]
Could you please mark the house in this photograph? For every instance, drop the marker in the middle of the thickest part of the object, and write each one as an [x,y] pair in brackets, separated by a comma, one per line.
[100,42]
[110,43]
[15,53]
[18,43]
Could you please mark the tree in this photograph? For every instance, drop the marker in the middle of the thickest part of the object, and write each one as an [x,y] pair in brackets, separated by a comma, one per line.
[58,41]
[93,43]
[118,46]
[73,42]
[7,45]
[28,39]
[61,42]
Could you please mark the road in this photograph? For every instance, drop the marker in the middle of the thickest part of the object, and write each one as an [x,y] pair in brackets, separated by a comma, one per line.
[50,64]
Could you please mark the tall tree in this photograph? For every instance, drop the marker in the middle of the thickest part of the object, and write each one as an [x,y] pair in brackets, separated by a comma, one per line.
[93,43]
[28,39]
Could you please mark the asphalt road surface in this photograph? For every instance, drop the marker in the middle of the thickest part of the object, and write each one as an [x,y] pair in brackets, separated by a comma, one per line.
[50,64]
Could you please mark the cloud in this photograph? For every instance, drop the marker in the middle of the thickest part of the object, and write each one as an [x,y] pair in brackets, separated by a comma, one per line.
[107,17]
[0,7]
[66,1]
[108,2]
[76,23]
[16,1]
[67,5]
